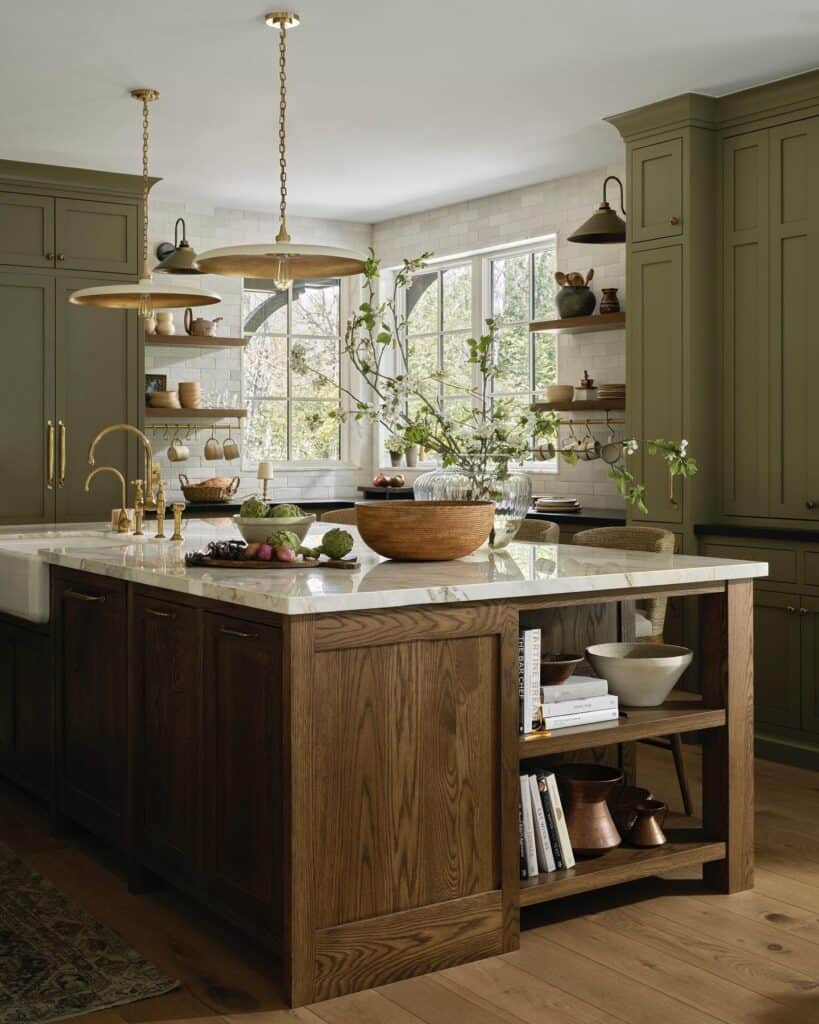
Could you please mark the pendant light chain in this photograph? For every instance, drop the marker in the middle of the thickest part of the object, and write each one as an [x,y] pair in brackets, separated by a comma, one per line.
[282,236]
[145,133]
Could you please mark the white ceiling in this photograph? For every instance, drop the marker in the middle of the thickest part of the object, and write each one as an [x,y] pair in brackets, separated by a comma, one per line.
[394,106]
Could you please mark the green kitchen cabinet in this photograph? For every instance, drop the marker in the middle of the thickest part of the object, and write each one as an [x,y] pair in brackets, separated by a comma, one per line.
[777,659]
[656,173]
[809,621]
[28,420]
[26,230]
[96,237]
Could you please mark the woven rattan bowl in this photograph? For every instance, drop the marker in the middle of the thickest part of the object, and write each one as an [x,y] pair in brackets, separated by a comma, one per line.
[424,531]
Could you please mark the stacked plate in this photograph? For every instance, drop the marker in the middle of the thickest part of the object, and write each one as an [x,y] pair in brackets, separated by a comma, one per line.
[556,503]
[611,391]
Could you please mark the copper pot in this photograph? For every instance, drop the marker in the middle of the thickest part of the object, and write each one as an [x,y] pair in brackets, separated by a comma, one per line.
[584,790]
[647,831]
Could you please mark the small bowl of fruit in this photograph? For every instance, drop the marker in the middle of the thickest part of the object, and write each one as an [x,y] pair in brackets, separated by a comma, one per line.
[256,520]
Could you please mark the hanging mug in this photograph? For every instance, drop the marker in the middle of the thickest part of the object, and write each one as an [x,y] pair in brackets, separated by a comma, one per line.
[231,449]
[178,452]
[213,449]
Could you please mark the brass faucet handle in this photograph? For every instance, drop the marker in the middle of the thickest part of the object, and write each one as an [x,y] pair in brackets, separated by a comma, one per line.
[139,494]
[178,508]
[160,511]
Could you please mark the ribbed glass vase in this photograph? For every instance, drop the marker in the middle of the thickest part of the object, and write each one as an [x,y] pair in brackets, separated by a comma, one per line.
[510,489]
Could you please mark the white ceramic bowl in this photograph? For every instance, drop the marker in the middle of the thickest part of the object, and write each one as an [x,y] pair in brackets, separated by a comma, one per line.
[642,675]
[257,530]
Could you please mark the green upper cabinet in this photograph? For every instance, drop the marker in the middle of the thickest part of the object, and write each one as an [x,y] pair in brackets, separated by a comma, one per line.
[26,230]
[656,191]
[97,237]
[745,324]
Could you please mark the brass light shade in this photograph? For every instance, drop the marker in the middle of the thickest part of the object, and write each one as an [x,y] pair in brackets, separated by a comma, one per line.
[282,261]
[604,225]
[182,259]
[146,295]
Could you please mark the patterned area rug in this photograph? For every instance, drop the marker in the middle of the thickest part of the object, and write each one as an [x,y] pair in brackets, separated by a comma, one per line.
[56,961]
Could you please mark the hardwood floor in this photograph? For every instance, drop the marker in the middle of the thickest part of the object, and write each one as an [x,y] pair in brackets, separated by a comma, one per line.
[649,951]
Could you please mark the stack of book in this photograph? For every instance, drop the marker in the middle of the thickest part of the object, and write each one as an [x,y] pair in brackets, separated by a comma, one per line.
[544,838]
[581,700]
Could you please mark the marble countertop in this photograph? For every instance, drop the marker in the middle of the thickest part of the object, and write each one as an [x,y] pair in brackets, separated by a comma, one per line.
[519,571]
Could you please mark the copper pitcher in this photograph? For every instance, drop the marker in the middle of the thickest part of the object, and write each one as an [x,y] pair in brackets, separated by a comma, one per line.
[647,830]
[585,788]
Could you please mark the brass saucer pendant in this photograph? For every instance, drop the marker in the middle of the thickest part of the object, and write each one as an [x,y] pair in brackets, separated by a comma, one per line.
[282,261]
[146,295]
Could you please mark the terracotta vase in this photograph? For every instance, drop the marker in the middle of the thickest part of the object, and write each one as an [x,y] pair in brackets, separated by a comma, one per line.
[584,790]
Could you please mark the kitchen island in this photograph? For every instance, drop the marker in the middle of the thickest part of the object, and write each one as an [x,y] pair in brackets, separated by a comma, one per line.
[330,759]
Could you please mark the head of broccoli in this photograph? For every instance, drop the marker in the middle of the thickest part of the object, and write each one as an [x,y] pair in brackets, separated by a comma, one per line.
[284,537]
[336,543]
[285,512]
[253,508]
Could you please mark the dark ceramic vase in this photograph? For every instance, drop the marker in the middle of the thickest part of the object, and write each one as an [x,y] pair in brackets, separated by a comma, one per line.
[609,303]
[584,789]
[575,301]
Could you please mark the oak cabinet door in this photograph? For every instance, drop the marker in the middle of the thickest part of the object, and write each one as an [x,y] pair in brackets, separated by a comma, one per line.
[26,230]
[89,615]
[28,405]
[96,237]
[777,659]
[655,371]
[166,733]
[242,752]
[656,191]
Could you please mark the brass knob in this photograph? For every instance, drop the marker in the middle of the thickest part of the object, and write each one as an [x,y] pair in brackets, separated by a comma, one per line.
[810,504]
[60,257]
[790,609]
[49,256]
[674,221]
[803,611]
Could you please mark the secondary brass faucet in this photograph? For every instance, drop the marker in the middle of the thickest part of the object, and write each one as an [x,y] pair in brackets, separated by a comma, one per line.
[149,455]
[123,522]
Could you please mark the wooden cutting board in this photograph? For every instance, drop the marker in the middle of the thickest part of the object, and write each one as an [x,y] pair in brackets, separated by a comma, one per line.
[304,563]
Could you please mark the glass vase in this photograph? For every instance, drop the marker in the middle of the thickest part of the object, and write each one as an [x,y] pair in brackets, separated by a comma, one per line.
[511,490]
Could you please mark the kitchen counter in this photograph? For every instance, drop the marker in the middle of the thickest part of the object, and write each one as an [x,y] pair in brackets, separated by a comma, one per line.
[587,518]
[522,570]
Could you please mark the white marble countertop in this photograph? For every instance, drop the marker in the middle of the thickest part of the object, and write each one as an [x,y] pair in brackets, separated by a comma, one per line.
[521,570]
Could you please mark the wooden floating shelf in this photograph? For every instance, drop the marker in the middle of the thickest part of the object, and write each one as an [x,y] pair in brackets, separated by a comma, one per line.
[193,341]
[154,413]
[590,405]
[686,848]
[634,724]
[581,324]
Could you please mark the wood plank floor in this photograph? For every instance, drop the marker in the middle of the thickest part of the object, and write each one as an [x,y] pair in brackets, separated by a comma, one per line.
[657,950]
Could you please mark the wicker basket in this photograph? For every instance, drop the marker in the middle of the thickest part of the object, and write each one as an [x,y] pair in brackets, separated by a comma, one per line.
[424,531]
[208,493]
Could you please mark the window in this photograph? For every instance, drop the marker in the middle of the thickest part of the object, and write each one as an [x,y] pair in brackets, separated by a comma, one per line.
[281,402]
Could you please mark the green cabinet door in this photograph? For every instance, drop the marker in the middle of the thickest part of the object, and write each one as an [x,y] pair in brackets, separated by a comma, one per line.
[656,191]
[654,361]
[777,659]
[97,365]
[27,411]
[97,237]
[26,230]
[745,324]
[809,616]
[794,343]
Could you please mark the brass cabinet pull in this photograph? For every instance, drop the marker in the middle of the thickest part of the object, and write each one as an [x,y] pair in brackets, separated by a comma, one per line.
[79,596]
[238,634]
[160,614]
[790,609]
[675,221]
[63,431]
[60,257]
[810,504]
[803,611]
[50,455]
[49,256]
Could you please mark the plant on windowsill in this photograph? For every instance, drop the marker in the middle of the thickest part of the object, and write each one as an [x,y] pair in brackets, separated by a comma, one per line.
[480,440]
[396,445]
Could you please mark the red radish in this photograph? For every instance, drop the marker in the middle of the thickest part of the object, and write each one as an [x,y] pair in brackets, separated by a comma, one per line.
[264,553]
[284,554]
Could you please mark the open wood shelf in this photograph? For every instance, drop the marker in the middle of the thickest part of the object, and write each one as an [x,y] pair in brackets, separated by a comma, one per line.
[581,324]
[589,405]
[634,724]
[685,848]
[193,341]
[154,413]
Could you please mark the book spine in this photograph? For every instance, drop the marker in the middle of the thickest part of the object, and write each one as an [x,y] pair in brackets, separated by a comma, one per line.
[587,718]
[560,821]
[522,682]
[548,815]
[528,827]
[545,857]
[532,674]
[578,707]
[524,871]
[574,689]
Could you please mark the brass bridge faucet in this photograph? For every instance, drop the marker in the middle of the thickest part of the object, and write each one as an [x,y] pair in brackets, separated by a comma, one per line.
[149,455]
[123,522]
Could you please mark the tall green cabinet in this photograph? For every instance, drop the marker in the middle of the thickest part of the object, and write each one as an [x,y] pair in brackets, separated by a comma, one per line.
[68,369]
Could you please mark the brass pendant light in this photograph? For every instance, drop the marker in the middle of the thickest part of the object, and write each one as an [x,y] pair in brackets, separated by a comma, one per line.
[604,226]
[146,295]
[282,261]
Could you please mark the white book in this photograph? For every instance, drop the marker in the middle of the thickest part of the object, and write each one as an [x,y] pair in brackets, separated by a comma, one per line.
[545,857]
[529,676]
[575,688]
[577,707]
[586,718]
[528,827]
[560,821]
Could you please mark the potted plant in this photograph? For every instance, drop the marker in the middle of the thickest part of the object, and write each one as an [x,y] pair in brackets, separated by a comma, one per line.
[396,445]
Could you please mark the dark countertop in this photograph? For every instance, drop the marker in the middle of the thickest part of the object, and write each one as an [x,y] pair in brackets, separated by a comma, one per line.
[589,517]
[803,533]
